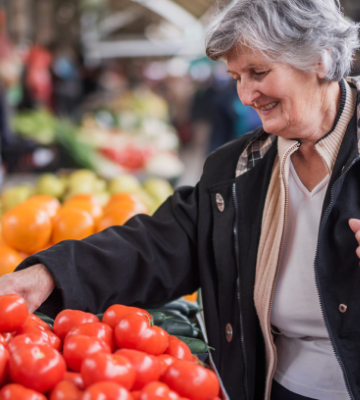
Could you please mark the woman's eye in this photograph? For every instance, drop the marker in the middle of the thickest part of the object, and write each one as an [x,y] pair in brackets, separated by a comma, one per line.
[260,73]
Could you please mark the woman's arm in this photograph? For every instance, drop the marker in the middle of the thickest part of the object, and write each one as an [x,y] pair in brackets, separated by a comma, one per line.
[148,260]
[34,284]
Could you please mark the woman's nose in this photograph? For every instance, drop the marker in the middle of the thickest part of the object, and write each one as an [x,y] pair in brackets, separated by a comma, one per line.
[247,93]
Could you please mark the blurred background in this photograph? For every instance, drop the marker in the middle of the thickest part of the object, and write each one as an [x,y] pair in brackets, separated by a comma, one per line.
[116,87]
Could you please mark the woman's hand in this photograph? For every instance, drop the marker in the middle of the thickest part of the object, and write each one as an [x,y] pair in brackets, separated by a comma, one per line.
[34,284]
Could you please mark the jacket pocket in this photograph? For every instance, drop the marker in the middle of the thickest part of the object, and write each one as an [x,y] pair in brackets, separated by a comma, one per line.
[349,310]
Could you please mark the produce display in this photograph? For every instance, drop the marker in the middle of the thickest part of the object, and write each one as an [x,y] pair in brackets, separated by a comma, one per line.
[128,134]
[70,207]
[126,356]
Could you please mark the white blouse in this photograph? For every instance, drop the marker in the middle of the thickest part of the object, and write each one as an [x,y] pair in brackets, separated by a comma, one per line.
[306,361]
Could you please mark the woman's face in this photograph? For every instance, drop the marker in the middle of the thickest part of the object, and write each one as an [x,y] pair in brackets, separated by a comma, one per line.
[288,100]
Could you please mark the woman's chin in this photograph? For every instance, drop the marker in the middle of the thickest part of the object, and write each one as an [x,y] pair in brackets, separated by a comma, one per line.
[272,127]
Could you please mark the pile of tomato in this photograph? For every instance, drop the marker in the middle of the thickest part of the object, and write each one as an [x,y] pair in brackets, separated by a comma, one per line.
[124,357]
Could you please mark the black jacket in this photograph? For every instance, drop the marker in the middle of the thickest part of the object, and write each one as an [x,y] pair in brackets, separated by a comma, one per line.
[190,243]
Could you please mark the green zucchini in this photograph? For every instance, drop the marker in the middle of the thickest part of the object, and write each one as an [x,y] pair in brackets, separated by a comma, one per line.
[196,346]
[174,327]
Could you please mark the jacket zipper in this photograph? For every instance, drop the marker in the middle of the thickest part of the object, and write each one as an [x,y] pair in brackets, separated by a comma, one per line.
[327,211]
[242,340]
[287,154]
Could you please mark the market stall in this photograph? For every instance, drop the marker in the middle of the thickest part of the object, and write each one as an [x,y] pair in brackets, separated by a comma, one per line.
[91,136]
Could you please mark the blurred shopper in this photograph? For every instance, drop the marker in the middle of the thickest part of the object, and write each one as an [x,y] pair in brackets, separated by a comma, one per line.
[219,104]
[38,76]
[265,232]
[66,81]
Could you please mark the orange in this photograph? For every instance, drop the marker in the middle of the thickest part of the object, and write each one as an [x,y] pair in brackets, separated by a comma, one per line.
[9,259]
[72,223]
[26,228]
[126,201]
[87,203]
[191,297]
[47,203]
[115,217]
[44,248]
[83,196]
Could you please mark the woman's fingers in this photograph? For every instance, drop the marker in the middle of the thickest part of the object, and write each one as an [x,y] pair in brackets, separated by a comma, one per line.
[355,227]
[34,284]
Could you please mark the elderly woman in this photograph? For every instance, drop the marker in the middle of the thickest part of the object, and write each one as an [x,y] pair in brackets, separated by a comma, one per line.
[265,233]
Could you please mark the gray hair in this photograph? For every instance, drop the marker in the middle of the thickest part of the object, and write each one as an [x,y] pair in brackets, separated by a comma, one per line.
[299,33]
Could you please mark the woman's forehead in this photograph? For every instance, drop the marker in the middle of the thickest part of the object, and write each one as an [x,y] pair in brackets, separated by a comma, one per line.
[243,58]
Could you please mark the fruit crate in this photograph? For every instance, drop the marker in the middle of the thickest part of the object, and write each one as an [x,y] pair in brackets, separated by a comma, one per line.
[24,156]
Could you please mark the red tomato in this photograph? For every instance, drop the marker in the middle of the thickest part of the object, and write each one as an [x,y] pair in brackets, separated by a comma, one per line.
[25,329]
[158,391]
[8,336]
[148,368]
[13,391]
[33,319]
[165,360]
[27,338]
[4,362]
[38,367]
[134,332]
[75,378]
[178,349]
[94,329]
[135,394]
[49,337]
[13,312]
[106,391]
[195,360]
[54,340]
[65,390]
[114,314]
[192,380]
[103,367]
[76,348]
[2,340]
[67,319]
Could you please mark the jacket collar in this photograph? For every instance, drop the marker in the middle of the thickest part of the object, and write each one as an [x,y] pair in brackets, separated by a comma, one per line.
[328,146]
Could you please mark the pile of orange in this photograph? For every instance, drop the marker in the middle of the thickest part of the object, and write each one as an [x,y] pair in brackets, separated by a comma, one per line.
[41,221]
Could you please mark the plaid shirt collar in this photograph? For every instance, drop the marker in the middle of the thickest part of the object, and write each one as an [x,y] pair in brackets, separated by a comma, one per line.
[260,145]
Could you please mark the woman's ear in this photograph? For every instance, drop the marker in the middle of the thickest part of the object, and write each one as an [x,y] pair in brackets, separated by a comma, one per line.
[322,66]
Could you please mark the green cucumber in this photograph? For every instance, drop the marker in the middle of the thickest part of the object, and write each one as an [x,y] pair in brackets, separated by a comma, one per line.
[174,327]
[193,307]
[176,305]
[100,316]
[196,346]
[44,318]
[158,317]
[174,314]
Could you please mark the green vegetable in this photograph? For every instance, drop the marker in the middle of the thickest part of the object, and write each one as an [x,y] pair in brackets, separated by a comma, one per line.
[45,318]
[174,314]
[38,125]
[177,305]
[175,327]
[193,307]
[158,317]
[196,346]
[100,316]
